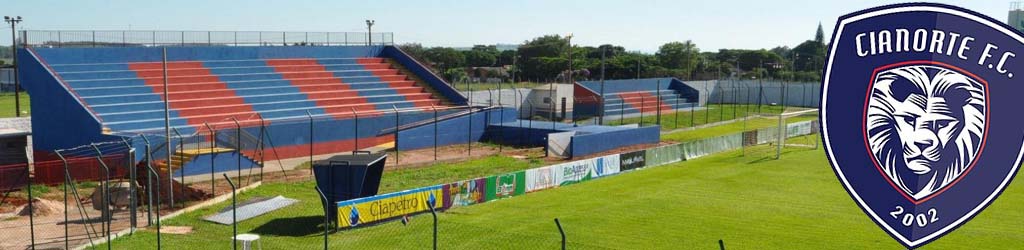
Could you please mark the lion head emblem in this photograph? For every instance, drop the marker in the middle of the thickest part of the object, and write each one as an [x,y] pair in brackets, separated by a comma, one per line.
[925,125]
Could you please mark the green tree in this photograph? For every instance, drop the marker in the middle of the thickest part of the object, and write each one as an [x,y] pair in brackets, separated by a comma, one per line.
[681,56]
[481,56]
[445,58]
[543,58]
[414,49]
[809,56]
[505,57]
[820,35]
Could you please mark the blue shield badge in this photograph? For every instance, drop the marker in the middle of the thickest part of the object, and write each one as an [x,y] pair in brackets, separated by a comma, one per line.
[920,114]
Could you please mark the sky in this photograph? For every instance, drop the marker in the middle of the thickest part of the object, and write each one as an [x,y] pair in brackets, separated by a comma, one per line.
[637,25]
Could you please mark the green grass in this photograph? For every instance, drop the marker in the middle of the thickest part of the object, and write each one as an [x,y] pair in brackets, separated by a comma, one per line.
[725,129]
[713,113]
[7,104]
[298,225]
[748,202]
[491,86]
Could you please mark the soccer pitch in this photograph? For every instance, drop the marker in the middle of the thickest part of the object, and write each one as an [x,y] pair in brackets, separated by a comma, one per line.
[748,202]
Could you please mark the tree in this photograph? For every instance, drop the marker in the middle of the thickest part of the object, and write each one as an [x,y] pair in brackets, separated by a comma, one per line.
[783,51]
[680,56]
[505,57]
[480,57]
[820,35]
[810,56]
[444,58]
[413,49]
[543,58]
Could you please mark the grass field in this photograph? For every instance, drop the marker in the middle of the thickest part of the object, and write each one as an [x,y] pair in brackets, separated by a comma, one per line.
[725,129]
[712,114]
[748,202]
[7,104]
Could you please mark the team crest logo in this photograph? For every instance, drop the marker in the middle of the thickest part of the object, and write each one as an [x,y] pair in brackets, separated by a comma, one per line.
[919,115]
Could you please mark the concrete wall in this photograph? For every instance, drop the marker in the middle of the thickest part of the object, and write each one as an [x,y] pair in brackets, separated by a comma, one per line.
[801,94]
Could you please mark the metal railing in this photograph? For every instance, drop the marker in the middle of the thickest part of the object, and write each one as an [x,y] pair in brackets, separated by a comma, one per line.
[151,38]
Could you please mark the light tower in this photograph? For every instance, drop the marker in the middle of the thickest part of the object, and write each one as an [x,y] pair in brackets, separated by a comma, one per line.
[14,53]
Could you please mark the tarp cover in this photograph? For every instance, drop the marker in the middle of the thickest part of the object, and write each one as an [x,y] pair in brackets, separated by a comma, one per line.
[251,210]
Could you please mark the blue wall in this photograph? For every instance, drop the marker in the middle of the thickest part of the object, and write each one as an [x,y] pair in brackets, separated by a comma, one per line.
[226,161]
[60,120]
[587,144]
[455,130]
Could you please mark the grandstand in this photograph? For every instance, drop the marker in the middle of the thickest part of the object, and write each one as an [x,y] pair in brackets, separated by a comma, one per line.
[110,93]
[631,97]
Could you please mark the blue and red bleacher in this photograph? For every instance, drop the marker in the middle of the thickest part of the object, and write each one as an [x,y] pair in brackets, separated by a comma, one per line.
[122,88]
[634,96]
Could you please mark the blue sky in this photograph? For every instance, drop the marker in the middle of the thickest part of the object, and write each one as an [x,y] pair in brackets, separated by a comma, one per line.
[637,25]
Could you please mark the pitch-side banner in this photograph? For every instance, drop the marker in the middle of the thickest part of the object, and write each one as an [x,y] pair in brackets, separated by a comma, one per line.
[387,206]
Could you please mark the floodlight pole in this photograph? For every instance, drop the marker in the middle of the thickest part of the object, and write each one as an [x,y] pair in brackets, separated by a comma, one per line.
[369,32]
[14,53]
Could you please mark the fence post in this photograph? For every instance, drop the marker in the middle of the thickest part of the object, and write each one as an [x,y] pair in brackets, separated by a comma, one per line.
[327,221]
[675,109]
[149,182]
[501,120]
[105,192]
[262,146]
[658,103]
[622,109]
[67,183]
[397,122]
[132,189]
[31,211]
[721,108]
[434,214]
[213,148]
[234,214]
[310,115]
[560,231]
[355,130]
[181,169]
[156,175]
[707,103]
[469,137]
[643,105]
[435,130]
[238,146]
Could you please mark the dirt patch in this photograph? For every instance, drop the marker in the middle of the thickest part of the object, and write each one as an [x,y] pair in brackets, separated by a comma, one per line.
[175,230]
[12,204]
[42,207]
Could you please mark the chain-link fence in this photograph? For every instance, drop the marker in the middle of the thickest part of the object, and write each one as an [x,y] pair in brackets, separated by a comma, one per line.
[141,38]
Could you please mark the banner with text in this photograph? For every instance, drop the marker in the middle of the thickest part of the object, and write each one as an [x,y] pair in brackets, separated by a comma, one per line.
[378,208]
[505,185]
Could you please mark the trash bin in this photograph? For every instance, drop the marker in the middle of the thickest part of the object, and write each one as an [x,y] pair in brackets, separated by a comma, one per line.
[346,177]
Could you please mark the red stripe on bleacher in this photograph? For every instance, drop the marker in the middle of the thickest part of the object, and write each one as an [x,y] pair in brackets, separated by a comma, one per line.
[321,86]
[195,93]
[643,102]
[399,82]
